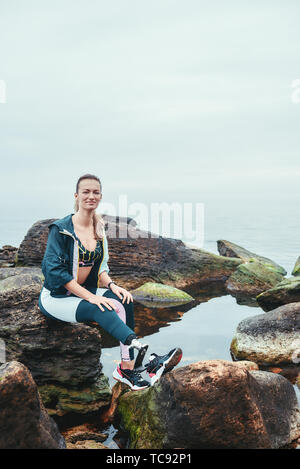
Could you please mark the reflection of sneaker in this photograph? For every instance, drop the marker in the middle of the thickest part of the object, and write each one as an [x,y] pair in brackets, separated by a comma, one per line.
[130,377]
[158,365]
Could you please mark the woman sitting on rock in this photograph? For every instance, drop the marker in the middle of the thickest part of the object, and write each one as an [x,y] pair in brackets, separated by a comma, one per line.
[77,286]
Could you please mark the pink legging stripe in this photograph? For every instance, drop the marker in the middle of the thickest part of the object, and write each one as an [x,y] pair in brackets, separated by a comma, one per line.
[120,310]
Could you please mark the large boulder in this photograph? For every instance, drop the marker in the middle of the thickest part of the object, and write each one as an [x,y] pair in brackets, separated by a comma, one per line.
[145,257]
[271,338]
[213,404]
[16,277]
[63,356]
[286,291]
[32,248]
[296,269]
[252,278]
[158,295]
[230,249]
[24,422]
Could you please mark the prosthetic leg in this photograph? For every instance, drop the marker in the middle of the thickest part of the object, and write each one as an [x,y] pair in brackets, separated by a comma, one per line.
[142,349]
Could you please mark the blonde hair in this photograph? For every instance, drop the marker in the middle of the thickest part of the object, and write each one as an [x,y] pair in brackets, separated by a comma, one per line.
[98,221]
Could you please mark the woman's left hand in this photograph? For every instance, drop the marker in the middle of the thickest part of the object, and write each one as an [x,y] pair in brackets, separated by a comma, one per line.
[121,293]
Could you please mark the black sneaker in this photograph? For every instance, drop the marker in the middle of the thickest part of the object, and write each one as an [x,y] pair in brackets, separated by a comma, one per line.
[158,365]
[131,377]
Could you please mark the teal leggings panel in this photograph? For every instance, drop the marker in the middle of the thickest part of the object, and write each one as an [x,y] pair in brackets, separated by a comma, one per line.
[108,319]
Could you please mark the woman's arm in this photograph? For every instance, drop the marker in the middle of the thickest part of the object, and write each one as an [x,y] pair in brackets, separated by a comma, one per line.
[75,288]
[122,293]
[104,279]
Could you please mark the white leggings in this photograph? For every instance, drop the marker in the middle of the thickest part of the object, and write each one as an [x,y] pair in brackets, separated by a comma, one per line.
[65,309]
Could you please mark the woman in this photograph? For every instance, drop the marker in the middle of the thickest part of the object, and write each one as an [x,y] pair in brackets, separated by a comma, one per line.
[77,286]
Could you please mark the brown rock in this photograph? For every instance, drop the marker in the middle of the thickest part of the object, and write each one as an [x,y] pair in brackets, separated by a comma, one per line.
[213,404]
[32,248]
[7,255]
[117,390]
[53,350]
[137,256]
[86,444]
[24,422]
[227,248]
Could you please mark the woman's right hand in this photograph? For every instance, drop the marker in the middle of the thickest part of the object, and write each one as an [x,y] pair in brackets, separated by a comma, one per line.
[101,300]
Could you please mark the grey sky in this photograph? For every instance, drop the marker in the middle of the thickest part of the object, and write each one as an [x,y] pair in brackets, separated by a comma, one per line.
[164,100]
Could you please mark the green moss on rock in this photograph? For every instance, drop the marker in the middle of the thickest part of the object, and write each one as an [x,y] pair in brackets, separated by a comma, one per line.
[296,269]
[158,292]
[140,417]
[60,400]
[253,278]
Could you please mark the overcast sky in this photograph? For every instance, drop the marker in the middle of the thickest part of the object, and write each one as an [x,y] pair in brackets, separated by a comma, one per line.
[163,100]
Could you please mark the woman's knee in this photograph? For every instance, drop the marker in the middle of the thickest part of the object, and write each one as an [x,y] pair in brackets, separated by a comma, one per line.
[87,311]
[128,306]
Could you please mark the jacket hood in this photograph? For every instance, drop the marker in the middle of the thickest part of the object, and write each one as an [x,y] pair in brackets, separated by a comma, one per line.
[65,224]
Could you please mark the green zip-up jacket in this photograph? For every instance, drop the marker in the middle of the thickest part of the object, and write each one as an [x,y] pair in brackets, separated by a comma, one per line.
[61,259]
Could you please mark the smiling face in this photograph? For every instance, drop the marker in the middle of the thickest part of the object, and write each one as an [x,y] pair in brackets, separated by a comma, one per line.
[89,194]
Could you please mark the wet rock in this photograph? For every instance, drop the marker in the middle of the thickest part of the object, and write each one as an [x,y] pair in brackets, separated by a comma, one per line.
[24,421]
[6,272]
[83,437]
[229,249]
[252,278]
[271,338]
[110,413]
[8,256]
[296,269]
[86,444]
[20,277]
[158,295]
[137,256]
[213,404]
[83,399]
[87,435]
[287,291]
[63,356]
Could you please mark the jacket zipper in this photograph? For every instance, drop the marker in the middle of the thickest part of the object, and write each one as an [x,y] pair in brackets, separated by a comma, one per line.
[66,232]
[100,263]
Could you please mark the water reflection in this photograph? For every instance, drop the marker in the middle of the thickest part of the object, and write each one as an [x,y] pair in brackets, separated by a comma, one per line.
[150,318]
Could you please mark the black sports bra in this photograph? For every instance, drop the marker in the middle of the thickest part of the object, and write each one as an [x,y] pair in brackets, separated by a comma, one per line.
[87,258]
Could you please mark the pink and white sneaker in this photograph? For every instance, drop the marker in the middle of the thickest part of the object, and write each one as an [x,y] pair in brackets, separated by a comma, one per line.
[132,378]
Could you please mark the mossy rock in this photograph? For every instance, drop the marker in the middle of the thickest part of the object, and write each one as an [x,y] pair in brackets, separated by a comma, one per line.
[227,248]
[61,400]
[158,294]
[147,432]
[287,291]
[296,269]
[252,278]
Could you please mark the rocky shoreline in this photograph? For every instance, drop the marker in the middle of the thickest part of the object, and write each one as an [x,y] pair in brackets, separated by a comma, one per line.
[57,366]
